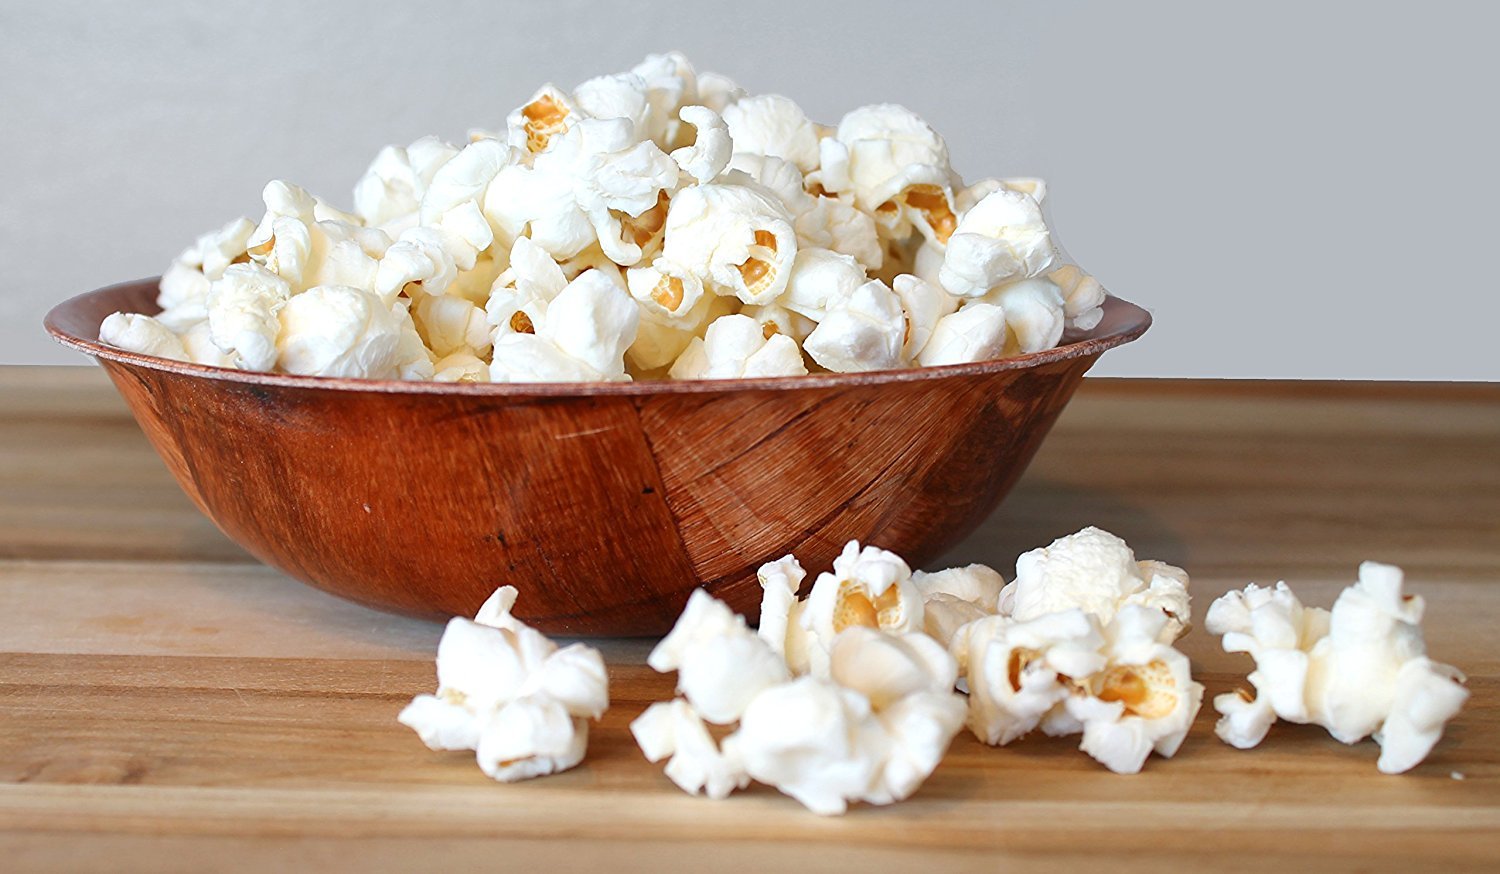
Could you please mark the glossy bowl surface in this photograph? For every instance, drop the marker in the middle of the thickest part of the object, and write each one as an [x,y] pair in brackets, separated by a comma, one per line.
[604,503]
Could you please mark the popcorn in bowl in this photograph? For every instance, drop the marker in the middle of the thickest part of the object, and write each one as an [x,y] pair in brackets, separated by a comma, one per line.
[628,229]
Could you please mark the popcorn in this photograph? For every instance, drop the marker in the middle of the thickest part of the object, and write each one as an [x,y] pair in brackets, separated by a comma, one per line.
[1034,314]
[390,192]
[925,305]
[183,294]
[865,331]
[1019,670]
[307,244]
[1003,238]
[511,695]
[869,587]
[857,244]
[244,321]
[737,240]
[896,168]
[721,664]
[335,330]
[709,154]
[696,764]
[872,728]
[820,279]
[581,336]
[737,347]
[142,334]
[955,597]
[1359,670]
[1096,572]
[977,332]
[1145,700]
[775,126]
[1083,296]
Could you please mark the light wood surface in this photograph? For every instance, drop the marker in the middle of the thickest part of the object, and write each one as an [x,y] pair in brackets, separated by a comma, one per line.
[167,704]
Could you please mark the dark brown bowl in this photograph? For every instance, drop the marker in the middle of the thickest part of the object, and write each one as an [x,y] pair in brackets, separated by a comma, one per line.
[606,504]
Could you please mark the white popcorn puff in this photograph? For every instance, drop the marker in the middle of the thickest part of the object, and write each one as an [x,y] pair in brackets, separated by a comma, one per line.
[781,613]
[865,331]
[462,180]
[183,296]
[813,740]
[1018,671]
[511,695]
[243,315]
[1034,314]
[414,360]
[1003,238]
[620,95]
[308,244]
[924,304]
[198,342]
[775,126]
[896,168]
[660,340]
[671,83]
[582,336]
[336,330]
[709,154]
[870,587]
[737,347]
[460,366]
[954,597]
[521,294]
[696,764]
[820,279]
[735,238]
[1358,670]
[1143,701]
[390,192]
[872,728]
[718,92]
[1096,572]
[977,332]
[721,664]
[450,325]
[1083,296]
[142,334]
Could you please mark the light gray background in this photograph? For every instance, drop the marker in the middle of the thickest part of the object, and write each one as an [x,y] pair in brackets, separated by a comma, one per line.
[1295,189]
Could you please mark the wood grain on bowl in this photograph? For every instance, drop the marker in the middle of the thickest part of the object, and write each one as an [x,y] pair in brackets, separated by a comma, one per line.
[606,503]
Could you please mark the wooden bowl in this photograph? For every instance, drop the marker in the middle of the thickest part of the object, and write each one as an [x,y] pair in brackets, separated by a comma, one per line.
[605,504]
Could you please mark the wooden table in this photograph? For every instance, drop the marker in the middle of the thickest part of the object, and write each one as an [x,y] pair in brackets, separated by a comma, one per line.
[167,704]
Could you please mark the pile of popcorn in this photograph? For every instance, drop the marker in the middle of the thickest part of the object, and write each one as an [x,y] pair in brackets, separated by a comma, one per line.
[648,224]
[855,692]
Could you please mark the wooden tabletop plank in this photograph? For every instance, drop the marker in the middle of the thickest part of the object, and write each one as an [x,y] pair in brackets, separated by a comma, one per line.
[169,705]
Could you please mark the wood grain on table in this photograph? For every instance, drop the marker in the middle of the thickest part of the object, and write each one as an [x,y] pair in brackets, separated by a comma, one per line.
[166,704]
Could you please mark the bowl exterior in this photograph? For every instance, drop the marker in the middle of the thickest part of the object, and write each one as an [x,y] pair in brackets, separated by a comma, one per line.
[605,505]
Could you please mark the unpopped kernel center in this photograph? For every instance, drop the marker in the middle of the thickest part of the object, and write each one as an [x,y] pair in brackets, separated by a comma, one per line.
[544,117]
[933,203]
[1146,690]
[759,269]
[521,323]
[668,292]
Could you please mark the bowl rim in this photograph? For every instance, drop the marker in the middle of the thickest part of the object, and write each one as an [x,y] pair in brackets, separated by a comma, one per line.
[1123,322]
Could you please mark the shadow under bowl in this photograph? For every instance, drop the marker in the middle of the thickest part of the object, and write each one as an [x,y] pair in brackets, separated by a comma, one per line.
[606,504]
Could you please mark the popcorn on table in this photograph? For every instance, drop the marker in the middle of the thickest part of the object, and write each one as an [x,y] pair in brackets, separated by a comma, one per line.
[854,247]
[1358,670]
[510,694]
[868,718]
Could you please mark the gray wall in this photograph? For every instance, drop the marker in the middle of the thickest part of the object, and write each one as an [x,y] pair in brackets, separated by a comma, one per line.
[1296,189]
